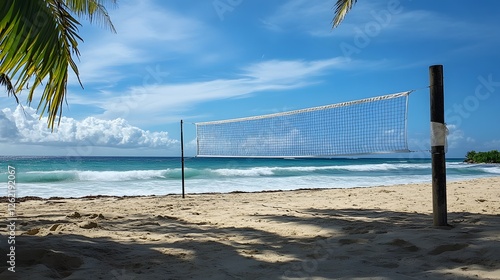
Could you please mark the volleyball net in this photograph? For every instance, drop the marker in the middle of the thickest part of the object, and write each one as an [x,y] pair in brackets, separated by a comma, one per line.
[367,126]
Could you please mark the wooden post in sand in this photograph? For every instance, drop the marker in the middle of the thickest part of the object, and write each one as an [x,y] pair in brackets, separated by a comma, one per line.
[182,158]
[438,142]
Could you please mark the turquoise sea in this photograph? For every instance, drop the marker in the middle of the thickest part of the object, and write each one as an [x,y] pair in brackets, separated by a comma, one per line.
[82,176]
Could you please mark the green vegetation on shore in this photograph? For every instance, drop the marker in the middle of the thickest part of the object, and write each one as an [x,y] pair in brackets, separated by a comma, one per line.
[483,157]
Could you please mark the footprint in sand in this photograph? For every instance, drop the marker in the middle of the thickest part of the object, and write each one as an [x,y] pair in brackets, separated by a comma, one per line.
[33,231]
[97,216]
[87,225]
[55,227]
[74,215]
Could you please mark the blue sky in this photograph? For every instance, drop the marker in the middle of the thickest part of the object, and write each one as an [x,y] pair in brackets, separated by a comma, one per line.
[210,60]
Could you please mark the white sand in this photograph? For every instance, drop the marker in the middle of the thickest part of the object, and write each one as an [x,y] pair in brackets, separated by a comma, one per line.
[362,233]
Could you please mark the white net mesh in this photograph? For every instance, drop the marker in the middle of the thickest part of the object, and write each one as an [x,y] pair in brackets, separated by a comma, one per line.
[373,125]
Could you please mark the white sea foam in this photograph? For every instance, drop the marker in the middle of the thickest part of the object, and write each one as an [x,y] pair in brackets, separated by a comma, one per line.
[493,169]
[269,171]
[113,176]
[251,172]
[240,176]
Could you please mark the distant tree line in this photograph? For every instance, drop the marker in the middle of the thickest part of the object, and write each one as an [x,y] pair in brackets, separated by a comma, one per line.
[483,157]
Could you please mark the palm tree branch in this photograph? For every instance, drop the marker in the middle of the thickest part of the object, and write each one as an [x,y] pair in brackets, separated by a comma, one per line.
[5,81]
[38,40]
[93,10]
[342,7]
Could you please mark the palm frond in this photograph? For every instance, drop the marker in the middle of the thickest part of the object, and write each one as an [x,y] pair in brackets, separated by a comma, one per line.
[5,81]
[38,39]
[95,11]
[342,7]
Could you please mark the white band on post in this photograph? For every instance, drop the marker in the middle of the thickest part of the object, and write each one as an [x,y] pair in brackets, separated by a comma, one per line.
[439,131]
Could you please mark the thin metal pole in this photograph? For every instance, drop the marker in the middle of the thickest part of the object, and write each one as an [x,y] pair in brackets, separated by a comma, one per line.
[182,158]
[438,141]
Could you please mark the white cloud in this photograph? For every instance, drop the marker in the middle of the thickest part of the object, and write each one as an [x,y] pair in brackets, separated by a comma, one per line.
[150,101]
[8,129]
[279,71]
[25,126]
[455,136]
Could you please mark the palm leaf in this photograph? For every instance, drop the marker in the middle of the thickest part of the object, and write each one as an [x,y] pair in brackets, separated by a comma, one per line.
[93,10]
[342,7]
[38,40]
[5,81]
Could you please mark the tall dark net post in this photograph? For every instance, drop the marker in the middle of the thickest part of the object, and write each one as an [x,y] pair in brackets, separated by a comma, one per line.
[438,142]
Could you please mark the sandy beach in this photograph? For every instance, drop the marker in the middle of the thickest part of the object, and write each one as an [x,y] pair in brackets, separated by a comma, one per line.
[381,232]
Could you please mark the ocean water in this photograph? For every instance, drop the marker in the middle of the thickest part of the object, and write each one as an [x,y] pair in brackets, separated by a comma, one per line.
[82,176]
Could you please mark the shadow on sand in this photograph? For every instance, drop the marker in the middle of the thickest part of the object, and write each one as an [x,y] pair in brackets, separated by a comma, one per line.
[367,243]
